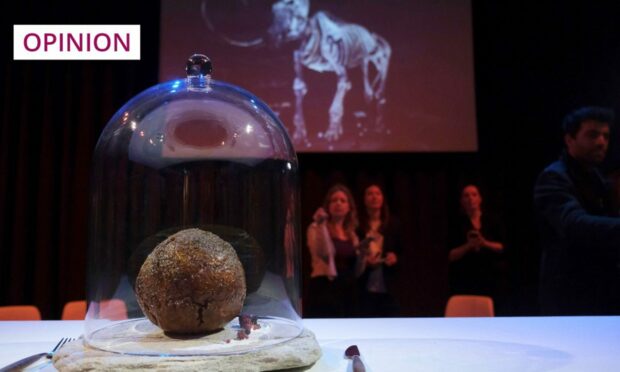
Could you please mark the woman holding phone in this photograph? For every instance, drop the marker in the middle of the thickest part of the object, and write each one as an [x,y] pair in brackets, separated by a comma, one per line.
[476,244]
[381,247]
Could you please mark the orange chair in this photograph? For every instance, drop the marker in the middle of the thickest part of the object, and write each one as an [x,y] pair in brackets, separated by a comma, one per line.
[469,306]
[20,312]
[74,310]
[114,309]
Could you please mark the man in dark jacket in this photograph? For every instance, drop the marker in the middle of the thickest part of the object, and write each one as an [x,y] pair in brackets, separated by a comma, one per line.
[579,228]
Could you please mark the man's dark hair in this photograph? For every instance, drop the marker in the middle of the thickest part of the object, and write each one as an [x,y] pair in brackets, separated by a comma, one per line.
[572,122]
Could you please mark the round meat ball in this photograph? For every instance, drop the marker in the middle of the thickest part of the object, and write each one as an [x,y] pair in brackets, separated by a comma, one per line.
[192,282]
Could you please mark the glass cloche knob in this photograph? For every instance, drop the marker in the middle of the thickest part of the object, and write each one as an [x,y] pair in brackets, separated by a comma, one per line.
[198,68]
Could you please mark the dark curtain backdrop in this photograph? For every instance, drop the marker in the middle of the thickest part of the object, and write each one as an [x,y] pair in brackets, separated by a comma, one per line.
[533,63]
[52,115]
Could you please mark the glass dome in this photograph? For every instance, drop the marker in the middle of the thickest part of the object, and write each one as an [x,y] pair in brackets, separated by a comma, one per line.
[180,156]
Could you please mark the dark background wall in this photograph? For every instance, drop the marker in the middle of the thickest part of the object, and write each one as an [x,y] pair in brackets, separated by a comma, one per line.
[533,63]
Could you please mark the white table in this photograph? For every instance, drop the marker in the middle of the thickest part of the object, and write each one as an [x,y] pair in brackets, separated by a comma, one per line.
[413,344]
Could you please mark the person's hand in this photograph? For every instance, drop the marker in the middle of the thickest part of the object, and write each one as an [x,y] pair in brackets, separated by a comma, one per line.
[474,240]
[483,242]
[373,251]
[373,258]
[390,259]
[320,216]
[490,245]
[364,245]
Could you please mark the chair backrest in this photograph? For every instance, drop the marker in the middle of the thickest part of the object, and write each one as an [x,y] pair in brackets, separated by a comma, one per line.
[20,312]
[74,310]
[113,309]
[469,305]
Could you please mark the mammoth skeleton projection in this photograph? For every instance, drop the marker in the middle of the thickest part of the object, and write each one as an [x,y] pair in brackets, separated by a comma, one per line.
[327,44]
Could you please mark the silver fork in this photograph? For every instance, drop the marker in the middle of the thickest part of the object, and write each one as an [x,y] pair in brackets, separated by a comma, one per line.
[23,363]
[60,344]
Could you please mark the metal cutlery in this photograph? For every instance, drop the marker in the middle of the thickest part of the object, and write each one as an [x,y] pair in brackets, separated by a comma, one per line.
[25,362]
[353,353]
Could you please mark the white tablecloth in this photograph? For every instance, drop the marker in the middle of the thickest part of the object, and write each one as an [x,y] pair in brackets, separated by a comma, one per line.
[413,344]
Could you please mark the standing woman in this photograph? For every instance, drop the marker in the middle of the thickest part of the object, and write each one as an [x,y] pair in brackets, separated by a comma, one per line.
[333,247]
[475,249]
[381,244]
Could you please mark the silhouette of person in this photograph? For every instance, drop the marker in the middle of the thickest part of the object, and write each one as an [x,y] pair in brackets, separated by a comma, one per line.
[333,247]
[476,244]
[579,225]
[381,246]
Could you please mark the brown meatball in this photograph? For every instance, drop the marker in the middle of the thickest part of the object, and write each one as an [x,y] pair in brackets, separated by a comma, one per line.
[192,282]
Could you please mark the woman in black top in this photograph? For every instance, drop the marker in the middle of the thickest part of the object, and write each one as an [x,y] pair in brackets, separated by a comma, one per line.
[476,245]
[381,243]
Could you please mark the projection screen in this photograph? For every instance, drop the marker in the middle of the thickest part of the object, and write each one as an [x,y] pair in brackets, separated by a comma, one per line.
[343,76]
